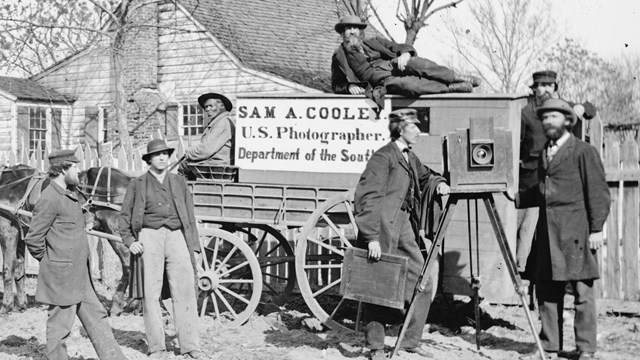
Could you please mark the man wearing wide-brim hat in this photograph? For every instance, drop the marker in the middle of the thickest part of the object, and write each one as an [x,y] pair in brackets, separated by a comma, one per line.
[573,199]
[215,146]
[378,63]
[532,141]
[387,203]
[57,239]
[157,222]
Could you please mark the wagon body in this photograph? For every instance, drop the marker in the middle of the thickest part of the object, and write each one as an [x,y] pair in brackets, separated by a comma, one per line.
[284,193]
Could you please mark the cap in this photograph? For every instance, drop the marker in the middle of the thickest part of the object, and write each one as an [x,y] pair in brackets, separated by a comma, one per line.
[59,156]
[408,115]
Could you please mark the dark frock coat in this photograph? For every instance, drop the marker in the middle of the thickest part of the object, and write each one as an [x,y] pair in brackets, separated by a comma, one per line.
[381,192]
[58,241]
[574,201]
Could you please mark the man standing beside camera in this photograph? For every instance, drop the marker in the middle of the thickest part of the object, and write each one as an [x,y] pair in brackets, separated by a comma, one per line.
[573,198]
[387,208]
[532,141]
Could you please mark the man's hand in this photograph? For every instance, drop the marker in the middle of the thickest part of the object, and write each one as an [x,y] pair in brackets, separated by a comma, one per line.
[595,240]
[375,252]
[579,110]
[443,189]
[403,60]
[355,89]
[136,248]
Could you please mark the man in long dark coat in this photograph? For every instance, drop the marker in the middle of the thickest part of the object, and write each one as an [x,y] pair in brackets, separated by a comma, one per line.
[574,200]
[360,63]
[58,241]
[387,205]
[532,142]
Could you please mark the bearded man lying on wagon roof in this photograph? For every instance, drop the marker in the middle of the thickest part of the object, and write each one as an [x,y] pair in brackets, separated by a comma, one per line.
[376,66]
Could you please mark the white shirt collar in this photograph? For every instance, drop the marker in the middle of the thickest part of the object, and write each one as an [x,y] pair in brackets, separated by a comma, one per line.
[563,139]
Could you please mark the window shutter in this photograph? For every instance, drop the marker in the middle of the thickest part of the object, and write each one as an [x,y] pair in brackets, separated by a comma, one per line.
[172,124]
[56,129]
[91,135]
[22,134]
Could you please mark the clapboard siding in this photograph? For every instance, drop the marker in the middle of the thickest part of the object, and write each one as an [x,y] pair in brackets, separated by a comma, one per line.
[6,123]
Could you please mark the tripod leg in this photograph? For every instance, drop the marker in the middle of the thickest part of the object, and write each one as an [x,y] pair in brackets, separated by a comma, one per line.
[427,267]
[511,264]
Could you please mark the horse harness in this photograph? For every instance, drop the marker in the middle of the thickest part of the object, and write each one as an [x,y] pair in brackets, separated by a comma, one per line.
[90,197]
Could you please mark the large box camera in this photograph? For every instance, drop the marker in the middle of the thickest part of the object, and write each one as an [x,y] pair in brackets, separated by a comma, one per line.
[478,159]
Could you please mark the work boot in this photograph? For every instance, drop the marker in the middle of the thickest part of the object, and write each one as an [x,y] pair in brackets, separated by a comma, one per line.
[377,95]
[473,80]
[461,87]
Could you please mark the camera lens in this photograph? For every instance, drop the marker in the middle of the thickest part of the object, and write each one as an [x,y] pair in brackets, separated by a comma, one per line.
[482,155]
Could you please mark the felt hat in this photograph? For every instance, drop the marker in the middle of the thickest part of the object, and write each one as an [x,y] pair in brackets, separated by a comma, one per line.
[560,106]
[349,20]
[59,156]
[545,76]
[225,100]
[407,115]
[156,146]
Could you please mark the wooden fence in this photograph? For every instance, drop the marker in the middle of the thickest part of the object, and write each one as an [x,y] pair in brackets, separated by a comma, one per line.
[620,257]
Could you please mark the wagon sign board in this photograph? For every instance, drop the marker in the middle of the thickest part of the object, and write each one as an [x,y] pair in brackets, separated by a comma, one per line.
[310,135]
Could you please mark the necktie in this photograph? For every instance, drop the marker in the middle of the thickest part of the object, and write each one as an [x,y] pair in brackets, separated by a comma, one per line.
[552,150]
[409,198]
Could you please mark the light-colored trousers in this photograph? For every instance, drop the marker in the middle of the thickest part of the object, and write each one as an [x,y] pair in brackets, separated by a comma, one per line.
[527,223]
[167,249]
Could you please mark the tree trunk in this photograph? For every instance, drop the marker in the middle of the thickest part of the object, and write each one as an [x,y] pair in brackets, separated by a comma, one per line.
[120,100]
[412,34]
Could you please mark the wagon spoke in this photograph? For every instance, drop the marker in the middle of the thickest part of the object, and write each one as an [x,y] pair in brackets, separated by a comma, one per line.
[203,310]
[225,302]
[336,282]
[275,276]
[215,306]
[274,263]
[335,311]
[226,258]
[235,295]
[261,241]
[336,230]
[236,281]
[234,268]
[352,218]
[329,247]
[270,288]
[272,250]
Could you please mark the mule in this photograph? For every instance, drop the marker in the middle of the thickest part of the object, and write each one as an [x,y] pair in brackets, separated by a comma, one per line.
[104,189]
[15,182]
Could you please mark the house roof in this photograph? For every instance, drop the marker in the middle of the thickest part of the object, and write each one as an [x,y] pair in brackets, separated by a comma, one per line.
[25,89]
[291,39]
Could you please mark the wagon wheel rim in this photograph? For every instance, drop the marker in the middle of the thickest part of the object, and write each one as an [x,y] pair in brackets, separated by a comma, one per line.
[229,278]
[276,261]
[319,274]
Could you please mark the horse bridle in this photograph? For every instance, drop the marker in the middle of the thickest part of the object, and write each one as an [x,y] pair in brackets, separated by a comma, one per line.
[90,196]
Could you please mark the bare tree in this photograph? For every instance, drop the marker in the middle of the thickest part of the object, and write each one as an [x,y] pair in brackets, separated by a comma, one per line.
[583,76]
[415,14]
[35,34]
[503,39]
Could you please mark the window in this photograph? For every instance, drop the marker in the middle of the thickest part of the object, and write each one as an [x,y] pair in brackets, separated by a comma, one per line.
[104,133]
[192,120]
[37,129]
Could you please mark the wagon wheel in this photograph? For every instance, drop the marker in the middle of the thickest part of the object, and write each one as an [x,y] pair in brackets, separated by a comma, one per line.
[319,256]
[229,278]
[275,258]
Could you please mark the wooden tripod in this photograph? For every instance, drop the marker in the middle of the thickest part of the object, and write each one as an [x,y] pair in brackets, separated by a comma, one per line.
[501,237]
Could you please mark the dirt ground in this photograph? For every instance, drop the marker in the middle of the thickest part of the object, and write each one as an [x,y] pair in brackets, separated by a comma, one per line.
[289,333]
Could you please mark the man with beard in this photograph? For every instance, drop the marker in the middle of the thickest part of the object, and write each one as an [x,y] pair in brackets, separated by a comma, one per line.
[532,141]
[157,221]
[215,146]
[360,65]
[387,211]
[573,198]
[57,239]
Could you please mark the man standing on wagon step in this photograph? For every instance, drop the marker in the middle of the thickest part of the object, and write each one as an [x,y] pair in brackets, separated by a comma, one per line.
[573,197]
[57,239]
[387,207]
[157,221]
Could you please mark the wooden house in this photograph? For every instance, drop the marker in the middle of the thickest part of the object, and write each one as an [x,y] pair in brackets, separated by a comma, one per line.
[192,47]
[31,115]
